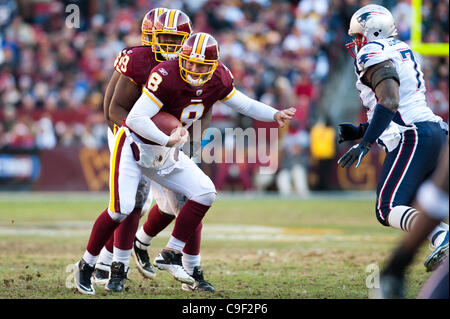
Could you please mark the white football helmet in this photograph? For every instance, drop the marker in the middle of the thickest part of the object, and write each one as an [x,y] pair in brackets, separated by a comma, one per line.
[370,23]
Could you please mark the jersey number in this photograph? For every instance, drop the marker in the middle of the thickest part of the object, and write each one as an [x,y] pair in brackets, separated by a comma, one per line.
[121,64]
[409,55]
[191,113]
[154,81]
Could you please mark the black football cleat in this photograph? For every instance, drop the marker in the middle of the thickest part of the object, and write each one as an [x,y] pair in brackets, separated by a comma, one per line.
[171,261]
[118,277]
[101,274]
[142,260]
[82,274]
[200,283]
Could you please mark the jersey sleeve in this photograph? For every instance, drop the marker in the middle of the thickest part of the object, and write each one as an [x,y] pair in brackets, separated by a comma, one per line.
[370,54]
[131,64]
[117,60]
[157,86]
[228,83]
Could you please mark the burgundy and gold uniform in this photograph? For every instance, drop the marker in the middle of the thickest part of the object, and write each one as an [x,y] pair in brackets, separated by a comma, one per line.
[187,103]
[136,63]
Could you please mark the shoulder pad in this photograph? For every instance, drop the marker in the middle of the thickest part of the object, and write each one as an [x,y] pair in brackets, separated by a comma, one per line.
[370,54]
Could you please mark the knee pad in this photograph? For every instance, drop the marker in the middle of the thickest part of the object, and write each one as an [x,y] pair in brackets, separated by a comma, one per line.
[117,217]
[205,199]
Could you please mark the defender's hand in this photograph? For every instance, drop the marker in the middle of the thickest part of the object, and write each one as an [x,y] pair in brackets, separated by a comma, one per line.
[350,132]
[281,117]
[357,152]
[178,136]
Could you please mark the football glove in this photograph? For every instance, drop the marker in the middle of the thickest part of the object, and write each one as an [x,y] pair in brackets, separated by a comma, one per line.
[350,132]
[356,153]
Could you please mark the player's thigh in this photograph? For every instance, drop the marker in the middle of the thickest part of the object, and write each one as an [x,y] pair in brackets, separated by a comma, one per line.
[125,175]
[166,199]
[409,165]
[187,179]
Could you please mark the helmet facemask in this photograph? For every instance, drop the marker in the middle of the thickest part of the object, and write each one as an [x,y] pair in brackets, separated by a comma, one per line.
[168,44]
[359,40]
[195,71]
[146,37]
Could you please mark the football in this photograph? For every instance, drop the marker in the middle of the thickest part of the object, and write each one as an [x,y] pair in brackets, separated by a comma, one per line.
[166,122]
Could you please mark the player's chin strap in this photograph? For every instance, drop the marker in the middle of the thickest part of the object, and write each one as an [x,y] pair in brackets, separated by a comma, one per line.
[156,157]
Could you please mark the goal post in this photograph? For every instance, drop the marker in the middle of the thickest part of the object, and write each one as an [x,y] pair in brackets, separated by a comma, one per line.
[436,49]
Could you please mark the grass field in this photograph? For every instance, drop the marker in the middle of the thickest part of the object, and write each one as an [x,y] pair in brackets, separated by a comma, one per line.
[252,248]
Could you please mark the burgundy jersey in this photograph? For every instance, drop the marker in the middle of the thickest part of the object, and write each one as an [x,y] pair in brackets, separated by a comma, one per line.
[136,63]
[166,88]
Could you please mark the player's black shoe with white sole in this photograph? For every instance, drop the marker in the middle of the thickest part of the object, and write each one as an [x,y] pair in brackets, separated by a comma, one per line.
[118,277]
[200,283]
[171,261]
[101,274]
[142,260]
[82,274]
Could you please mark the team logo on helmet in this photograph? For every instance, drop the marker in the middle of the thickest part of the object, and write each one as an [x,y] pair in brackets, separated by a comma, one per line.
[362,19]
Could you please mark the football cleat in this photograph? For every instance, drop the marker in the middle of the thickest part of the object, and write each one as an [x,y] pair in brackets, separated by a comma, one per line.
[142,260]
[118,277]
[101,274]
[171,261]
[200,283]
[438,255]
[82,274]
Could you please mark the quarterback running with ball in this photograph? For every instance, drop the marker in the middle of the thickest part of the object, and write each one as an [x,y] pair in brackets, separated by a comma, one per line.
[186,88]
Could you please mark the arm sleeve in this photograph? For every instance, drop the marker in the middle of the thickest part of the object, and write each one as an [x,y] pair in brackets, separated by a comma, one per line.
[241,103]
[139,119]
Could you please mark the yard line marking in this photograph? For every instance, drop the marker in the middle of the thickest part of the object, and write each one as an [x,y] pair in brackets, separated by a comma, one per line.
[210,232]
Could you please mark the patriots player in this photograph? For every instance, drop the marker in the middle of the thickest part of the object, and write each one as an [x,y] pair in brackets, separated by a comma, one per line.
[392,89]
[132,68]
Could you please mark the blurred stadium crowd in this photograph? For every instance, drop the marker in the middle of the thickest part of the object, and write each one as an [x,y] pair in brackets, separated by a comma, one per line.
[52,78]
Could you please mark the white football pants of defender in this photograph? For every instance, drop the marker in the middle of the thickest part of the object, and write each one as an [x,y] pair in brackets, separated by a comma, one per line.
[144,195]
[168,201]
[185,178]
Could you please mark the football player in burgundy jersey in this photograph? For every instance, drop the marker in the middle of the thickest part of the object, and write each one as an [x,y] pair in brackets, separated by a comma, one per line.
[165,45]
[132,68]
[187,89]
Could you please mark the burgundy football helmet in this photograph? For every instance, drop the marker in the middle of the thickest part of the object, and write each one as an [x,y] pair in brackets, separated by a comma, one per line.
[148,24]
[199,58]
[171,29]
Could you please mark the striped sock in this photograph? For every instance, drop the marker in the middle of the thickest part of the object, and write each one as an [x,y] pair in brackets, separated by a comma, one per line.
[402,217]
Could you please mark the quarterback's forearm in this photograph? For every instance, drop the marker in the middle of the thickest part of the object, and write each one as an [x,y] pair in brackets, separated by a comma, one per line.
[250,107]
[139,120]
